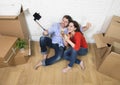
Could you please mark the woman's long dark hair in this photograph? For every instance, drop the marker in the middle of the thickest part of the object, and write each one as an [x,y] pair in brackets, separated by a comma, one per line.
[76,25]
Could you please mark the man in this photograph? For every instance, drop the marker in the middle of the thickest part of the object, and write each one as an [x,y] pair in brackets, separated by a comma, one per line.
[55,41]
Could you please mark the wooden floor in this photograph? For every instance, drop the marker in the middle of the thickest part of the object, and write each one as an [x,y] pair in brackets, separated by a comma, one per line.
[53,75]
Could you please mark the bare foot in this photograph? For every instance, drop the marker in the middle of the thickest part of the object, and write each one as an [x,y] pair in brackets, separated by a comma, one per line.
[45,56]
[66,69]
[82,65]
[38,65]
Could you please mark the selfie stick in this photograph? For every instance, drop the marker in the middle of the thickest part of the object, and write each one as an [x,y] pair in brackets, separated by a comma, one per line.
[37,17]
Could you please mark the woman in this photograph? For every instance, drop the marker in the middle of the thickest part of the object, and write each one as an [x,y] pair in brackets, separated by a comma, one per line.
[78,45]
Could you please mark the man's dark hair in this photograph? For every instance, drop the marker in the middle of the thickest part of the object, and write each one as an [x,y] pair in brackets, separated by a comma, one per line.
[68,17]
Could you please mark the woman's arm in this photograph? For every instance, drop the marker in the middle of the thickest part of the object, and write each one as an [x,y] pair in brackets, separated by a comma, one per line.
[85,28]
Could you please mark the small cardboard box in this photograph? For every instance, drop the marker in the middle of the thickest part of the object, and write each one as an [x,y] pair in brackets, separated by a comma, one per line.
[7,50]
[21,57]
[14,26]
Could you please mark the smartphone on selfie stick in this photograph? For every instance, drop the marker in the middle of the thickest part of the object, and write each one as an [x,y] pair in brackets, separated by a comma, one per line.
[38,17]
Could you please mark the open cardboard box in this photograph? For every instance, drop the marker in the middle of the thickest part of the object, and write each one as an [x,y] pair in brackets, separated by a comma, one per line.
[107,44]
[10,54]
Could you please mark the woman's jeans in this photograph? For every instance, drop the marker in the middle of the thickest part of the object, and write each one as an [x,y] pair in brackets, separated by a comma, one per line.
[71,55]
[47,42]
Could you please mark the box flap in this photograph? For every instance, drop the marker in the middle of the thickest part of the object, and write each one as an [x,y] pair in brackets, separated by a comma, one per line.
[116,47]
[99,39]
[6,42]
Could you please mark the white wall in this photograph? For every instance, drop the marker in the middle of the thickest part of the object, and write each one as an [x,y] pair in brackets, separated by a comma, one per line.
[98,12]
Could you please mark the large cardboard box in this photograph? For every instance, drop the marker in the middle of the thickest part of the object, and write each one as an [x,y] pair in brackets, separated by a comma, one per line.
[110,64]
[7,50]
[14,26]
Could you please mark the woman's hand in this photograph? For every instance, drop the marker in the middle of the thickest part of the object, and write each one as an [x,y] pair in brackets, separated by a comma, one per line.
[66,38]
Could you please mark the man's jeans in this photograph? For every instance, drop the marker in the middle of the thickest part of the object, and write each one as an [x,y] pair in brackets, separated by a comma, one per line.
[47,42]
[71,55]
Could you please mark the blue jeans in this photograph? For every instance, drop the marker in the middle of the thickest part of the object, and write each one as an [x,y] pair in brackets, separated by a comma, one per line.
[47,42]
[71,55]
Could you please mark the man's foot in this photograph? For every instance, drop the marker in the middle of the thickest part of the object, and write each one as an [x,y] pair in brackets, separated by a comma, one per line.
[66,69]
[38,65]
[82,65]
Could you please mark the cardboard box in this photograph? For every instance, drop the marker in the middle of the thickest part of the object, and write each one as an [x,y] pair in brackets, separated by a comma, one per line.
[7,50]
[10,55]
[21,57]
[110,65]
[113,31]
[14,26]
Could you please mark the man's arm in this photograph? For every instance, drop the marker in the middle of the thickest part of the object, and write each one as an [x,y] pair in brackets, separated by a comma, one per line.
[45,32]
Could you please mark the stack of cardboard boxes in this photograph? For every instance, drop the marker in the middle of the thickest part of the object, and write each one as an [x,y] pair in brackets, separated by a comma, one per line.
[108,49]
[12,28]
